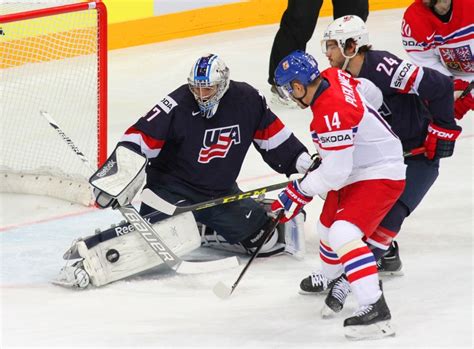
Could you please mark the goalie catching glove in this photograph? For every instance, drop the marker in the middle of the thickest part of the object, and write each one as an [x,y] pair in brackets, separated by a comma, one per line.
[120,178]
[292,200]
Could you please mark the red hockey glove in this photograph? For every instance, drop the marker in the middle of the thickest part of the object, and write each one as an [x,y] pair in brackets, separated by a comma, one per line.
[463,104]
[439,142]
[291,200]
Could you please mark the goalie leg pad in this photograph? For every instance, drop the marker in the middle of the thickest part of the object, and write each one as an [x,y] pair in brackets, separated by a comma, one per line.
[129,254]
[289,238]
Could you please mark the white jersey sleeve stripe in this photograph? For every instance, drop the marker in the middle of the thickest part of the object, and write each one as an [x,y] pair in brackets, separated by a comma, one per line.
[138,139]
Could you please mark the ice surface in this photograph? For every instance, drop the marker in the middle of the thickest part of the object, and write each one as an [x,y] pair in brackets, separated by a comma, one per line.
[432,304]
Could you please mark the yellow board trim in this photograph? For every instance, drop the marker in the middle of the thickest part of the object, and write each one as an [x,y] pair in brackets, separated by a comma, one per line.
[213,19]
[126,10]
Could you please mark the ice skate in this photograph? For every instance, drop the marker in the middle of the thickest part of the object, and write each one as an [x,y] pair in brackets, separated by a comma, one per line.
[336,297]
[390,263]
[316,283]
[370,322]
[73,276]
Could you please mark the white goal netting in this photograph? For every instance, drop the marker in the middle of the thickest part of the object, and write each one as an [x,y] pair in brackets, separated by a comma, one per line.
[50,63]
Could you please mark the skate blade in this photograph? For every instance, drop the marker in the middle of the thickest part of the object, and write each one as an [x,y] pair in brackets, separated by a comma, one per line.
[375,331]
[68,285]
[222,291]
[391,273]
[327,313]
[306,293]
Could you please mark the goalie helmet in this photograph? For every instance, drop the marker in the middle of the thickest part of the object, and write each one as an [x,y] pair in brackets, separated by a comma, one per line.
[344,28]
[208,82]
[298,65]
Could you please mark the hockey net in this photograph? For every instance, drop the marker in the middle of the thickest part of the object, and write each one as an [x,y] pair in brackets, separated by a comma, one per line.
[53,59]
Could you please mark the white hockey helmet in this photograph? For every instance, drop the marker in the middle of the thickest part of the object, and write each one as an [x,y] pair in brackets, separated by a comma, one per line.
[344,28]
[208,82]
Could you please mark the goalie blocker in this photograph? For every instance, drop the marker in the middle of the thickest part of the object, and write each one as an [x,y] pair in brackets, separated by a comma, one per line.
[120,178]
[119,252]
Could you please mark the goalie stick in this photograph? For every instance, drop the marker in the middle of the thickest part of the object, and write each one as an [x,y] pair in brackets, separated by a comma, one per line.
[145,230]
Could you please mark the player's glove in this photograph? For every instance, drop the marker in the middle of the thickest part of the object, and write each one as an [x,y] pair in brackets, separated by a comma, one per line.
[439,142]
[292,200]
[464,103]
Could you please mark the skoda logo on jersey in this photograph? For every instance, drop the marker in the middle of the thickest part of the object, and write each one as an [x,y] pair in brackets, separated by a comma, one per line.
[217,142]
[167,104]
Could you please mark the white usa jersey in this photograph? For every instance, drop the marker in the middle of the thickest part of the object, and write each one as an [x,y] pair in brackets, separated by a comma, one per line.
[354,141]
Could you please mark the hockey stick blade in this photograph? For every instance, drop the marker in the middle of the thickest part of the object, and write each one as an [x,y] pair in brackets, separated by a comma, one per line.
[222,291]
[208,266]
[151,199]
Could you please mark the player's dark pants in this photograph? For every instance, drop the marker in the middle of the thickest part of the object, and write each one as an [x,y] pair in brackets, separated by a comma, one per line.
[234,221]
[299,21]
[420,176]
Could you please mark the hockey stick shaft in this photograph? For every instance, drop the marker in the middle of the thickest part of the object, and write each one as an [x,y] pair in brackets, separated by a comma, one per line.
[154,201]
[161,205]
[413,152]
[467,90]
[66,139]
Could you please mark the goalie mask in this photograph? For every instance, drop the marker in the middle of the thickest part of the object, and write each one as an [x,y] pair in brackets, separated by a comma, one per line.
[208,82]
[343,29]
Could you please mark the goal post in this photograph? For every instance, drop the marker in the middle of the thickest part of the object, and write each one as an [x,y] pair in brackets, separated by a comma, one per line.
[53,58]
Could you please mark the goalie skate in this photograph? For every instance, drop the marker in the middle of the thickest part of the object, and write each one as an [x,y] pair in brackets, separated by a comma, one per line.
[73,276]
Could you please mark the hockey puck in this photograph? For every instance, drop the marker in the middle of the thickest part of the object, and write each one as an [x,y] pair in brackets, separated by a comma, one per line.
[112,256]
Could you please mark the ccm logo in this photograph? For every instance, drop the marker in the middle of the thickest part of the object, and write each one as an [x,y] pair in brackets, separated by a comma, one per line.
[244,195]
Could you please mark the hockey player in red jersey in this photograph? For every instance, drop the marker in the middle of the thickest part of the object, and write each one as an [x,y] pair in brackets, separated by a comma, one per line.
[418,105]
[362,171]
[439,34]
